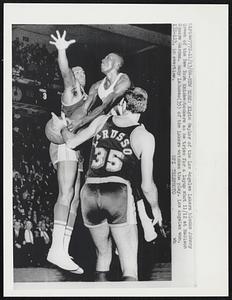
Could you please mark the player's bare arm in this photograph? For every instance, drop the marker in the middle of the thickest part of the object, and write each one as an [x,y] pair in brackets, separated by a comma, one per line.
[69,81]
[87,133]
[92,95]
[111,100]
[77,116]
[145,143]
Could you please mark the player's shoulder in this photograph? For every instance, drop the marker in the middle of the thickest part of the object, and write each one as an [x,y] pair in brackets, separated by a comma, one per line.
[124,77]
[142,135]
[95,85]
[101,119]
[99,122]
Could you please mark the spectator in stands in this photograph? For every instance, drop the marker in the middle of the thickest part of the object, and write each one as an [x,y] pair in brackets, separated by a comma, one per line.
[29,243]
[42,244]
[34,62]
[18,238]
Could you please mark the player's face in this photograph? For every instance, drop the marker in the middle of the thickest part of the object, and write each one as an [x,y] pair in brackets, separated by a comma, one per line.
[108,63]
[17,225]
[79,75]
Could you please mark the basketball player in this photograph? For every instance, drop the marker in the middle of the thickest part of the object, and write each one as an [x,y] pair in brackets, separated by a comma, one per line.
[108,90]
[106,93]
[121,149]
[103,96]
[65,161]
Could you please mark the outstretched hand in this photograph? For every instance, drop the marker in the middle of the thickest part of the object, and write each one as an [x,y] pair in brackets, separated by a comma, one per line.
[60,42]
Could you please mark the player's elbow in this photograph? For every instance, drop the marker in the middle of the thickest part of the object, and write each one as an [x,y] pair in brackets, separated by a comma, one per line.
[148,187]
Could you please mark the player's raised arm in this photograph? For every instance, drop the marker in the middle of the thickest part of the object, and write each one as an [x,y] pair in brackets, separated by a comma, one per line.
[61,44]
[147,142]
[110,101]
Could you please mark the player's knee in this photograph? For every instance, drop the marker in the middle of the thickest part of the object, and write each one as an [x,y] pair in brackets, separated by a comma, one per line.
[104,250]
[66,195]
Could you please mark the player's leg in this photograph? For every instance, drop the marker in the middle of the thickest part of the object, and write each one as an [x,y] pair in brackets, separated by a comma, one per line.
[66,175]
[72,212]
[126,239]
[102,240]
[94,220]
[119,202]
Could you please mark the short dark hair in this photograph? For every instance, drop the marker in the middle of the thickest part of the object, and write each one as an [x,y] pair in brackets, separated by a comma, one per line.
[136,100]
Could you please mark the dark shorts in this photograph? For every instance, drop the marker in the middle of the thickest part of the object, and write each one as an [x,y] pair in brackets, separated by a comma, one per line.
[110,202]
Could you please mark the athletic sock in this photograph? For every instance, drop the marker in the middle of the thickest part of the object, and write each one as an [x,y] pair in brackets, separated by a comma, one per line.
[67,238]
[69,229]
[60,220]
[58,235]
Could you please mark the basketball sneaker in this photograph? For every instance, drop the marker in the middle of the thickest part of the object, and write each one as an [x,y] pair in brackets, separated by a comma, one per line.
[62,260]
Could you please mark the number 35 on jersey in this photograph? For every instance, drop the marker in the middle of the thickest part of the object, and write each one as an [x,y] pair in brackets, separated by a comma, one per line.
[111,159]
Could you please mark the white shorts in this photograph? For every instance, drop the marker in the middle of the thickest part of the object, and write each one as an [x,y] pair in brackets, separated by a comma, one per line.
[62,153]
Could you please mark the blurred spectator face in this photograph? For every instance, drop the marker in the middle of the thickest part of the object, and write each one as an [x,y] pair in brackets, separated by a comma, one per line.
[79,75]
[36,232]
[17,225]
[28,225]
[51,226]
[43,226]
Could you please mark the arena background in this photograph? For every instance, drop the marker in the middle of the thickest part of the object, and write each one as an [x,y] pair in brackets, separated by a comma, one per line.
[37,86]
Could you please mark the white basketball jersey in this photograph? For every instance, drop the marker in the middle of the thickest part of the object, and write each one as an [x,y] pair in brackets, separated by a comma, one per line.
[102,92]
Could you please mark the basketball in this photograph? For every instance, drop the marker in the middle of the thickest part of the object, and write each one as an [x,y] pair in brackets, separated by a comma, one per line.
[52,134]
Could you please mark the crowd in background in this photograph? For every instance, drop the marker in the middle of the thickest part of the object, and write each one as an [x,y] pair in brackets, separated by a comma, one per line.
[34,191]
[35,62]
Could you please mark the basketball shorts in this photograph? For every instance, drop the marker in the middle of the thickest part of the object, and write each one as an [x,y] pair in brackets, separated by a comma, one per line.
[62,153]
[107,201]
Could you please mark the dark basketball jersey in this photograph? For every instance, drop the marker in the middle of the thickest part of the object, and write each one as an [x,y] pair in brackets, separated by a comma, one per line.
[112,154]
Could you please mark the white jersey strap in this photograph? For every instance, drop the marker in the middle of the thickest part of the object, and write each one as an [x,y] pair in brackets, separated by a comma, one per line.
[102,92]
